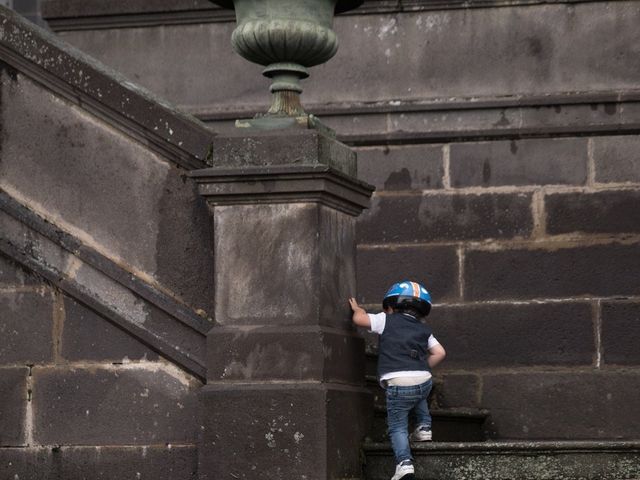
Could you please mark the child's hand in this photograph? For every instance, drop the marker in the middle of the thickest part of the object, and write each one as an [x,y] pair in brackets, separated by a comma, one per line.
[354,305]
[360,316]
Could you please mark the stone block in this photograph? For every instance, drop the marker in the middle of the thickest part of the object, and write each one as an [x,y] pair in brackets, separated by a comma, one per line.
[271,147]
[12,274]
[457,391]
[435,267]
[620,333]
[617,159]
[136,405]
[563,406]
[276,430]
[407,167]
[519,162]
[101,463]
[614,211]
[421,218]
[506,335]
[552,272]
[283,264]
[284,353]
[88,336]
[26,323]
[13,403]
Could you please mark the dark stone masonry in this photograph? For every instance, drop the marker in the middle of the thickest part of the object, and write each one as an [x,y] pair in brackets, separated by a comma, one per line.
[173,288]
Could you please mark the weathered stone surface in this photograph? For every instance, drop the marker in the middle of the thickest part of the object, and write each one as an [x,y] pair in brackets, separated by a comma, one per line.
[457,390]
[600,270]
[136,405]
[79,156]
[54,9]
[271,147]
[446,217]
[286,354]
[13,403]
[12,274]
[519,162]
[504,51]
[336,270]
[304,249]
[613,211]
[502,335]
[435,267]
[620,333]
[173,330]
[616,159]
[402,168]
[281,431]
[104,463]
[549,460]
[598,405]
[88,336]
[25,326]
[255,242]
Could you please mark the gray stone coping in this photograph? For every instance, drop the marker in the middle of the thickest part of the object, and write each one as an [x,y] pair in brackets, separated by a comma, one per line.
[103,92]
[283,183]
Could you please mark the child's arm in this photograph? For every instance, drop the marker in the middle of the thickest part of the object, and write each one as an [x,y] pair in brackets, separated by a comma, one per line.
[360,316]
[436,355]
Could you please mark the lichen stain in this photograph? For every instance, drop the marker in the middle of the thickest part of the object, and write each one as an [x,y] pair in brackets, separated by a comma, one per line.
[398,180]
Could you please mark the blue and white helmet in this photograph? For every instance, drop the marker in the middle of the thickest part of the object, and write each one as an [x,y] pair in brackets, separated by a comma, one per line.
[410,294]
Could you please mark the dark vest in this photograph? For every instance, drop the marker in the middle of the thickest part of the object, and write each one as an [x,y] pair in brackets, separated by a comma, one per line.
[403,344]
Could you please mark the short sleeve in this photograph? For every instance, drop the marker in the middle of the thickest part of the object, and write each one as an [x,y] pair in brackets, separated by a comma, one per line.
[378,321]
[432,342]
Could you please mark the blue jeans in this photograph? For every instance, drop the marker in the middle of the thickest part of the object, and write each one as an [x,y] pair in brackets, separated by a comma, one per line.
[400,402]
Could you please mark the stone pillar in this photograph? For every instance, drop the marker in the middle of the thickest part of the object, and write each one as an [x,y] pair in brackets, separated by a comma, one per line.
[285,395]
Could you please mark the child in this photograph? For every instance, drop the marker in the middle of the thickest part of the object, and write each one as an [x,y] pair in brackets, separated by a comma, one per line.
[407,351]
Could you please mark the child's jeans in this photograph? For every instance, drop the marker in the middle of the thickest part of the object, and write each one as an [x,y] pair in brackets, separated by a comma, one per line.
[400,401]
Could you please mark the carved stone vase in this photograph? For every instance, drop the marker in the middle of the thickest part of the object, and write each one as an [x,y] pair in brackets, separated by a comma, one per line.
[287,37]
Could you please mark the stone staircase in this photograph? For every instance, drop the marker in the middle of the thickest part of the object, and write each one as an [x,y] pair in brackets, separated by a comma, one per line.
[584,460]
[461,450]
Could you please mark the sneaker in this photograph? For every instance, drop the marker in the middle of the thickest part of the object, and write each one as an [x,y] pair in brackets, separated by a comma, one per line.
[421,434]
[404,470]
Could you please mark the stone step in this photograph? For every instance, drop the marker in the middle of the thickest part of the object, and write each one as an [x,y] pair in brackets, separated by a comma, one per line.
[449,425]
[540,460]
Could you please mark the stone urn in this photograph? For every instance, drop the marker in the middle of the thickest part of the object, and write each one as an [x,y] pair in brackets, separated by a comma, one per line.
[287,37]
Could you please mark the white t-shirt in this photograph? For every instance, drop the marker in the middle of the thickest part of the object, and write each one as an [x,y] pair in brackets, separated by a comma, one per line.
[378,322]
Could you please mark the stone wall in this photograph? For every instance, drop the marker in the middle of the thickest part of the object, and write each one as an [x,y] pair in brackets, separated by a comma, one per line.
[531,250]
[80,398]
[502,137]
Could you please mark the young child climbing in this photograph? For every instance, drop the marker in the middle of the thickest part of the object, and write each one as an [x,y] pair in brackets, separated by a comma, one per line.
[407,351]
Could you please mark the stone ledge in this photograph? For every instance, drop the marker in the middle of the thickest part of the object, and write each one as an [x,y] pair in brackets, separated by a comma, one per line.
[278,184]
[516,447]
